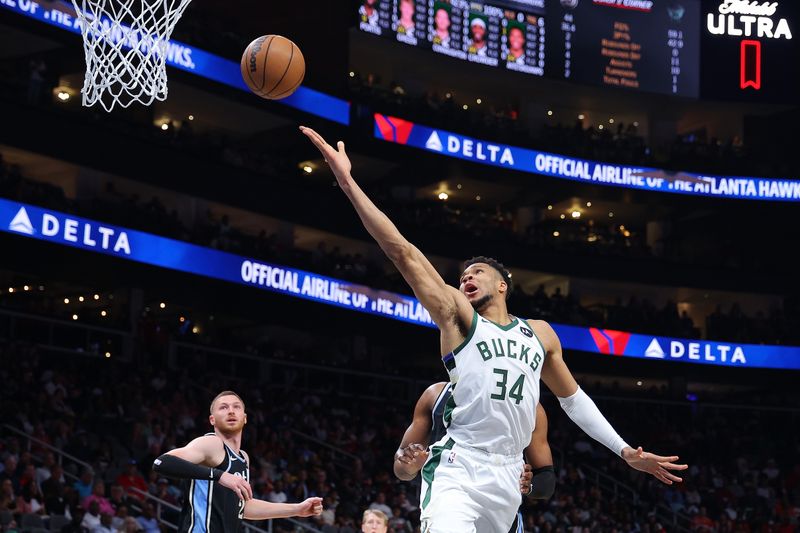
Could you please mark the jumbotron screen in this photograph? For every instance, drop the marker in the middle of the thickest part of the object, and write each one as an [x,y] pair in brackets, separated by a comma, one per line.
[638,44]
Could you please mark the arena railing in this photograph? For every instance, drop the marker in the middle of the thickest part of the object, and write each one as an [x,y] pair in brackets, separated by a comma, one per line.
[348,382]
[64,336]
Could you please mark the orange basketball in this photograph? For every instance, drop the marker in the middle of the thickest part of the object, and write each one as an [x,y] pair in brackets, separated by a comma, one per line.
[273,67]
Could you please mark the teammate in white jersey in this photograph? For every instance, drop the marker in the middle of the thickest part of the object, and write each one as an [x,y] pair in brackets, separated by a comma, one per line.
[495,361]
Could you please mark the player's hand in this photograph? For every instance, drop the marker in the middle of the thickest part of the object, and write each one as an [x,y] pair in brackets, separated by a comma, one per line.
[412,457]
[656,465]
[310,507]
[237,484]
[335,157]
[526,480]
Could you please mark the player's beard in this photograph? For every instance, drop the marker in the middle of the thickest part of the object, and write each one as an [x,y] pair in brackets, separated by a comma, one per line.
[482,302]
[231,430]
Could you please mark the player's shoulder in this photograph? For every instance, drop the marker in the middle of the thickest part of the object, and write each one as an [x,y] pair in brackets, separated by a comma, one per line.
[208,441]
[430,394]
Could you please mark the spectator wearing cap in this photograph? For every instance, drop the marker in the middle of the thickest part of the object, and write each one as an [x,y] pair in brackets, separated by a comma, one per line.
[132,478]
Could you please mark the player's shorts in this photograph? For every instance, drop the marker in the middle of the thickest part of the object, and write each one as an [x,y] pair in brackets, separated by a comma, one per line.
[465,490]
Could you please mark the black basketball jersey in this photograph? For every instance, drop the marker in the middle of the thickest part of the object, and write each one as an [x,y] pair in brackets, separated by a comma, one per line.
[208,507]
[439,428]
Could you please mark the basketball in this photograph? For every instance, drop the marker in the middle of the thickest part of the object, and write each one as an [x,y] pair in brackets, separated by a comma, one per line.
[273,67]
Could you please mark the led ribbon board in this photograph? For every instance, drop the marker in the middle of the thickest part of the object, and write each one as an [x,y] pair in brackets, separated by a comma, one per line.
[76,232]
[191,59]
[451,144]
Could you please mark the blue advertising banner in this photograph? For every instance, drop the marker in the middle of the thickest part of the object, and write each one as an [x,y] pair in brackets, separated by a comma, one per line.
[451,144]
[76,232]
[190,59]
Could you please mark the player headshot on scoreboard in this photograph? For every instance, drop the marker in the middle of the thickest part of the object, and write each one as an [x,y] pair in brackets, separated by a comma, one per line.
[405,24]
[369,12]
[516,43]
[441,24]
[477,32]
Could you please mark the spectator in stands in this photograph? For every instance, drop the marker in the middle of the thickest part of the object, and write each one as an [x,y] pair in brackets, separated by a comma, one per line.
[99,495]
[374,521]
[118,498]
[105,525]
[130,525]
[380,505]
[54,492]
[31,500]
[132,478]
[92,517]
[10,470]
[84,485]
[8,501]
[148,520]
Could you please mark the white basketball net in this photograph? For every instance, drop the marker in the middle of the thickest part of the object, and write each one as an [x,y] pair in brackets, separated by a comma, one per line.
[126,44]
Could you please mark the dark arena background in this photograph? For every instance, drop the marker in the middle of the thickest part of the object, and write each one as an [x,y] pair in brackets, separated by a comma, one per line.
[633,163]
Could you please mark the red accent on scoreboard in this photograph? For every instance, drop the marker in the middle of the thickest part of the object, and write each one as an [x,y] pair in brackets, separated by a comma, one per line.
[750,64]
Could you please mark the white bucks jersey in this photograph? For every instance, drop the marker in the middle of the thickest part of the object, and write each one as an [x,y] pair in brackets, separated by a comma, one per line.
[495,374]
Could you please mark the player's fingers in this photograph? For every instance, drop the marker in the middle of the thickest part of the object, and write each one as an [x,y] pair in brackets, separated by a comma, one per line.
[671,476]
[340,146]
[315,138]
[248,490]
[673,466]
[660,459]
[663,479]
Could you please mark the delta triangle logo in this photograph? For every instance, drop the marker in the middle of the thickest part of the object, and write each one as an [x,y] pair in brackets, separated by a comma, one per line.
[654,350]
[21,223]
[434,142]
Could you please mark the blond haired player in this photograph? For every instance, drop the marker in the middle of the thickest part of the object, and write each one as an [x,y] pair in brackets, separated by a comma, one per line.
[495,361]
[219,494]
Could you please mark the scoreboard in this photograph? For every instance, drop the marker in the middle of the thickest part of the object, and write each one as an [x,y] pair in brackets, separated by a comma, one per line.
[638,44]
[719,49]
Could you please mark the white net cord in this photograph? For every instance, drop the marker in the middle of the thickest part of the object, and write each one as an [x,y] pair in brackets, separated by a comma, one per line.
[126,43]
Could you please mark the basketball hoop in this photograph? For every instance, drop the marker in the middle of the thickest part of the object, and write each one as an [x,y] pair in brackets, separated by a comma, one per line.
[126,45]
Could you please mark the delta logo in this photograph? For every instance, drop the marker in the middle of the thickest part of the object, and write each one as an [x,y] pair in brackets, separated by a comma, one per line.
[69,230]
[697,351]
[393,129]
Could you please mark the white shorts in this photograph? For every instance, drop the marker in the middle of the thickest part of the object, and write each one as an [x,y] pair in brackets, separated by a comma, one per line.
[465,490]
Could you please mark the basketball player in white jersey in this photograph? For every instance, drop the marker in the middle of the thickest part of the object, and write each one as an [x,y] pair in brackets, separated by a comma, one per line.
[495,361]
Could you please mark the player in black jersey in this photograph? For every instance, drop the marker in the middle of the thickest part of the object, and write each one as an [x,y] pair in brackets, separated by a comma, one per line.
[219,494]
[537,480]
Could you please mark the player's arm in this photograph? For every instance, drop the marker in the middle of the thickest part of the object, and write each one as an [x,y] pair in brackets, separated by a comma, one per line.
[540,458]
[261,510]
[196,460]
[583,411]
[413,450]
[446,304]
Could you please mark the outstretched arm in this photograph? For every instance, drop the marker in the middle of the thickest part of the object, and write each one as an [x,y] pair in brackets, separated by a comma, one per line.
[196,460]
[583,411]
[413,450]
[446,304]
[261,510]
